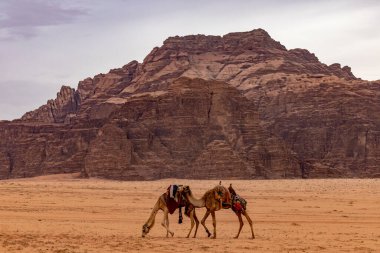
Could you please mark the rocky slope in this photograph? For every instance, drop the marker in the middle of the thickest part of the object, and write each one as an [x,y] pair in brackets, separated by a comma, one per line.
[236,106]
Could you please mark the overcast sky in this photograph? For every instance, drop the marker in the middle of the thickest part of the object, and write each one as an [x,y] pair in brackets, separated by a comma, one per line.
[48,43]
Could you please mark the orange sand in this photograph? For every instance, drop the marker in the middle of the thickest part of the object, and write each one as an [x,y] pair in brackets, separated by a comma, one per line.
[64,214]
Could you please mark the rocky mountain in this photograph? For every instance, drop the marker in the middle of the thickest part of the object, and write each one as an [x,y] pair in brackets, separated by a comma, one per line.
[234,106]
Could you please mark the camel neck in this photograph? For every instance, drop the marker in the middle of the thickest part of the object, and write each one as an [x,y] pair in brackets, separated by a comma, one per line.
[195,202]
[152,217]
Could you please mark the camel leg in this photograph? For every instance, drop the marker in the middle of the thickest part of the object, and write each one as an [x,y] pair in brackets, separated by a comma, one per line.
[165,223]
[192,223]
[241,224]
[196,224]
[203,222]
[250,222]
[165,226]
[214,224]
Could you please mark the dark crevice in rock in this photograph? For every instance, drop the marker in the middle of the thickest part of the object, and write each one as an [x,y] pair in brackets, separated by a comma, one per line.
[210,106]
[11,163]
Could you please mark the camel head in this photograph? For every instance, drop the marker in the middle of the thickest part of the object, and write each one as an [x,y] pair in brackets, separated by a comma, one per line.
[186,190]
[145,230]
[231,190]
[180,190]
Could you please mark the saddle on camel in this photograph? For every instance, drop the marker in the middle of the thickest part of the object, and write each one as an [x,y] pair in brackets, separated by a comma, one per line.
[168,202]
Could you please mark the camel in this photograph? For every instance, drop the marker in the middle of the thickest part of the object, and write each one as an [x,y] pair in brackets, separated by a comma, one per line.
[239,207]
[213,200]
[161,204]
[217,198]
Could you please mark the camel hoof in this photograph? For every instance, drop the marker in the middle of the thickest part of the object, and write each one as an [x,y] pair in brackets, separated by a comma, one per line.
[172,234]
[236,237]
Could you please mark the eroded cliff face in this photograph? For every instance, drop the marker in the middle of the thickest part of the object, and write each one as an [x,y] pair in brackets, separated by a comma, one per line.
[333,124]
[236,106]
[37,149]
[193,130]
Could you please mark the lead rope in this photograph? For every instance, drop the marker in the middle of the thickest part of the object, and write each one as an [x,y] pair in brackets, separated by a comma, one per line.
[180,215]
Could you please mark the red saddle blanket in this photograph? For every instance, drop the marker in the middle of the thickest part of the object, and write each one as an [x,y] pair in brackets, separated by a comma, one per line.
[171,204]
[173,200]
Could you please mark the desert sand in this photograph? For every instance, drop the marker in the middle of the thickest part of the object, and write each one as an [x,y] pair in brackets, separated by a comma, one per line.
[66,214]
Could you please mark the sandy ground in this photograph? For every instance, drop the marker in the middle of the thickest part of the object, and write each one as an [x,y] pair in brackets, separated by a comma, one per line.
[65,214]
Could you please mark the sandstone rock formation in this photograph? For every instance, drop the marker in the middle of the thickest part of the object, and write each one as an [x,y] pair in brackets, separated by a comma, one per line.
[55,111]
[236,106]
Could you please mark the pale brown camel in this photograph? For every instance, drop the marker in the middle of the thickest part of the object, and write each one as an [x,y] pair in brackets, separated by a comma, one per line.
[212,200]
[239,206]
[161,204]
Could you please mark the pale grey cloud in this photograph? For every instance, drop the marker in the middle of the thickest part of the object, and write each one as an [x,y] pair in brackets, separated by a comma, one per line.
[23,18]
